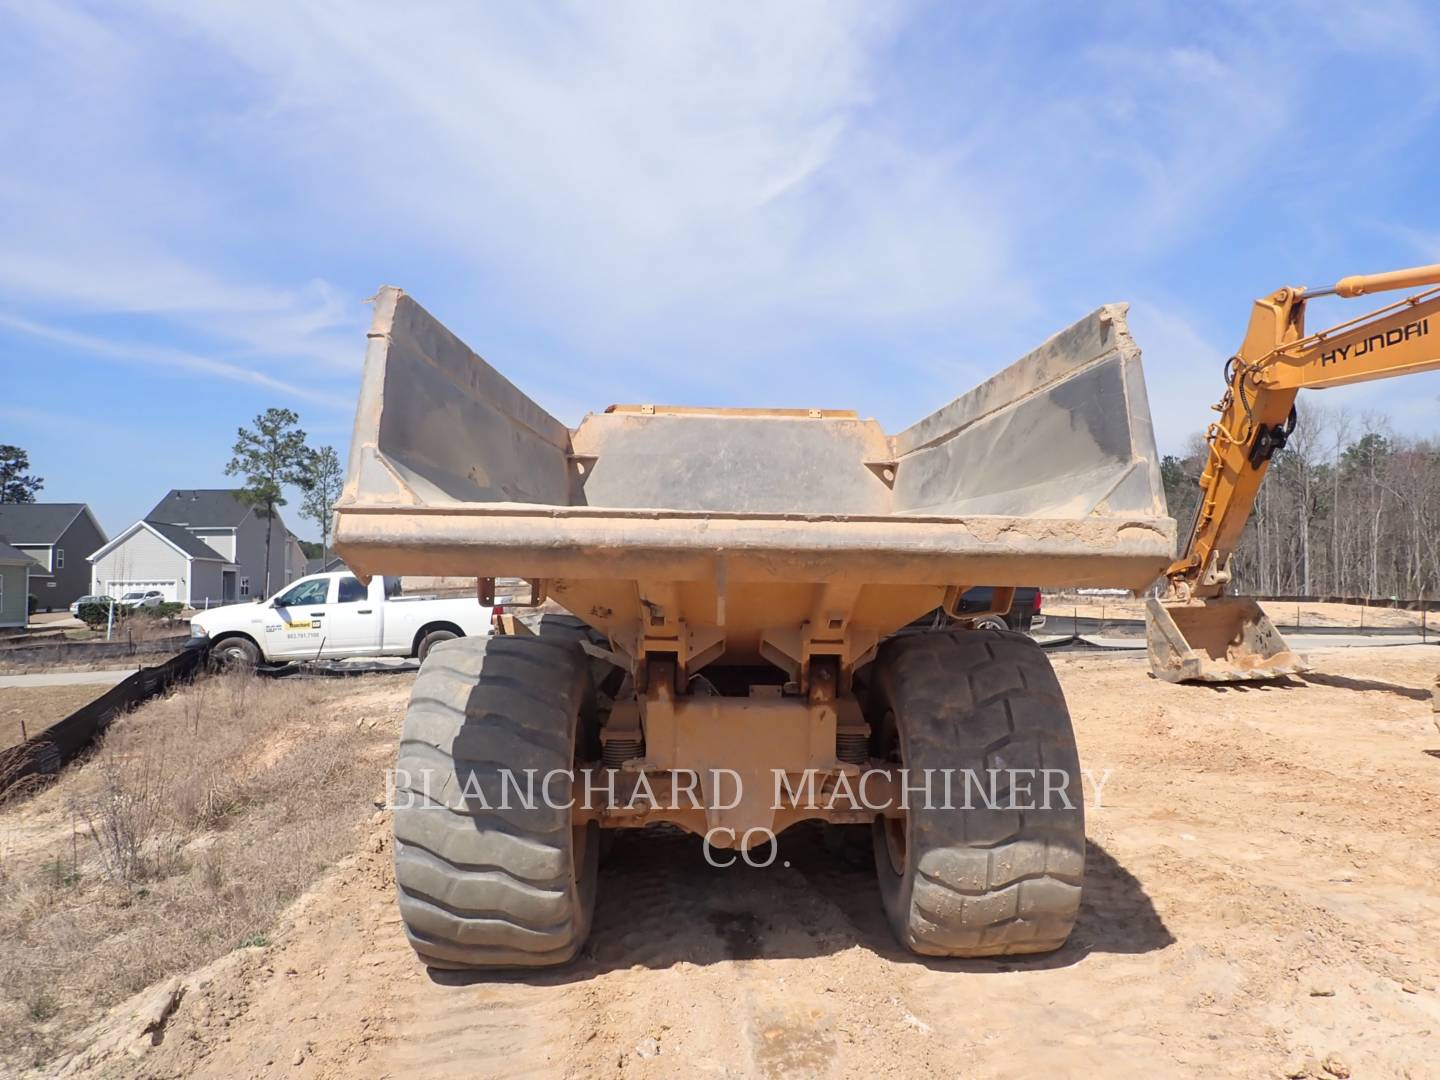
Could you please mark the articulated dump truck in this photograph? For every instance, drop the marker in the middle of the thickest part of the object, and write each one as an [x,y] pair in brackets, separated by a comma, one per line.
[763,630]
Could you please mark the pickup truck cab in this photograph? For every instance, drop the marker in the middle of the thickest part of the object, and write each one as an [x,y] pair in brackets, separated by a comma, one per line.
[334,615]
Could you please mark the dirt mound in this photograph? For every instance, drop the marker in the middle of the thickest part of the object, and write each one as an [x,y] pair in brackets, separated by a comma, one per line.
[1259,901]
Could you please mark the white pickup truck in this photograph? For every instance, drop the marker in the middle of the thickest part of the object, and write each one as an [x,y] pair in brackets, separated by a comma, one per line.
[334,615]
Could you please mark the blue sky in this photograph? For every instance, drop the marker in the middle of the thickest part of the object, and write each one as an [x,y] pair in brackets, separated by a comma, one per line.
[844,205]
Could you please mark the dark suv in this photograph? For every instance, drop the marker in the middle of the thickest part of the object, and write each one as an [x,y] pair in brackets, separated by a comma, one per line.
[1024,613]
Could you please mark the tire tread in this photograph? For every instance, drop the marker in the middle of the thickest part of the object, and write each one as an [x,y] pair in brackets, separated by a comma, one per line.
[982,881]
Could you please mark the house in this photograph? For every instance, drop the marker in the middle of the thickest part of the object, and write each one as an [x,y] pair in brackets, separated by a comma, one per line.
[57,537]
[15,567]
[325,566]
[198,546]
[294,557]
[168,558]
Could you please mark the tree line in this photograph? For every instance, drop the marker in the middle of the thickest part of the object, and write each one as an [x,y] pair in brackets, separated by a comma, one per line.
[1348,508]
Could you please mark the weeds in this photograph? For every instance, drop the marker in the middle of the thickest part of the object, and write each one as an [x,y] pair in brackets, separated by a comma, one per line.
[42,1007]
[198,814]
[59,873]
[127,818]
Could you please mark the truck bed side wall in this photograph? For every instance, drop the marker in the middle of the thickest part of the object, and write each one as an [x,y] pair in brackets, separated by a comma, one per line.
[1063,432]
[451,427]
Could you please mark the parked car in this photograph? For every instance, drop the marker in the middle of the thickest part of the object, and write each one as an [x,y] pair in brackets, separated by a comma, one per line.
[334,615]
[152,598]
[78,604]
[1024,614]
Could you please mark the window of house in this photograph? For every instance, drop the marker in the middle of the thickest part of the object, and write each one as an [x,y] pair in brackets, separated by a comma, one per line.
[352,592]
[244,586]
[59,558]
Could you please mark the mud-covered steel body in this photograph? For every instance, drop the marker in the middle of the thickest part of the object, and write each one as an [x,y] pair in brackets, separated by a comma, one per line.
[719,528]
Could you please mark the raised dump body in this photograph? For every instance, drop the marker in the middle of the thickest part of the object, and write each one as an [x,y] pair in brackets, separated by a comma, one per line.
[746,568]
[1044,475]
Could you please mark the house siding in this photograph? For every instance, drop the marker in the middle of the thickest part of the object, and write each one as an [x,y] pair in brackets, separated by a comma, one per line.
[81,539]
[40,553]
[222,540]
[206,585]
[141,557]
[13,582]
[250,553]
[294,560]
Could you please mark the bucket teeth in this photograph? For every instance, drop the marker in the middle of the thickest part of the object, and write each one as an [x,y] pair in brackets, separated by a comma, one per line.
[1223,639]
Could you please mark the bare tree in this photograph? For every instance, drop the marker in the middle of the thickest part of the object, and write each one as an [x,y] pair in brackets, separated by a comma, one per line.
[324,477]
[1346,508]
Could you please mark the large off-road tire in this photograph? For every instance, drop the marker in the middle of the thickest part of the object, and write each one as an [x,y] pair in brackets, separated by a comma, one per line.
[986,880]
[494,887]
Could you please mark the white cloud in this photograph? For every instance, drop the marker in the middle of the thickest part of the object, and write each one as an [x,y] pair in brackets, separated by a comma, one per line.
[627,168]
[805,199]
[171,358]
[103,210]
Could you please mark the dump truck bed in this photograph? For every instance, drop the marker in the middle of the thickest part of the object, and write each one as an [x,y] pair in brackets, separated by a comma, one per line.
[1046,474]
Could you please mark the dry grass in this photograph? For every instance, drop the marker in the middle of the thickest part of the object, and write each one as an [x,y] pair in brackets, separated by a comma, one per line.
[29,710]
[182,837]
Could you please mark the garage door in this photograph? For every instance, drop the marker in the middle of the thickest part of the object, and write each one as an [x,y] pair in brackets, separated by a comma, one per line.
[168,589]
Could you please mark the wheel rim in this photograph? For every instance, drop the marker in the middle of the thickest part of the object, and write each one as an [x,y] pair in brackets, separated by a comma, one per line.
[897,846]
[579,849]
[896,829]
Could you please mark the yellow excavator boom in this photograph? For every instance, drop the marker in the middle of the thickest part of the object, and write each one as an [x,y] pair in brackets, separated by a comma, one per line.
[1196,632]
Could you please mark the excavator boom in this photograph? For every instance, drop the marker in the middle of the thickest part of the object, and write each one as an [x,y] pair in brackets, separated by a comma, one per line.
[1196,632]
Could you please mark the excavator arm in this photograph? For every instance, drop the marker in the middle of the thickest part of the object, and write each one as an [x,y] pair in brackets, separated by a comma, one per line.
[1196,632]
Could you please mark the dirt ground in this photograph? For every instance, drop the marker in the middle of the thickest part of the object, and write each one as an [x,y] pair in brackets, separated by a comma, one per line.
[37,707]
[1261,900]
[1059,606]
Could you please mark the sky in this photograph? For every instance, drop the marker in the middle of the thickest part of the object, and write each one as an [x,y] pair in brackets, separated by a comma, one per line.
[867,205]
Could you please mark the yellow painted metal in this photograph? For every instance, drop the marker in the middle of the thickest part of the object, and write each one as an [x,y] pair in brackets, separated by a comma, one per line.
[1275,361]
[1413,278]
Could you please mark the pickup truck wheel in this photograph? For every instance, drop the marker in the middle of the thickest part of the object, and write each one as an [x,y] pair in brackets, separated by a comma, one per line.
[981,879]
[237,652]
[486,877]
[991,622]
[430,640]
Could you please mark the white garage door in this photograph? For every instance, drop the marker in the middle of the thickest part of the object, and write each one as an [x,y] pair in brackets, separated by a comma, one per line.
[168,589]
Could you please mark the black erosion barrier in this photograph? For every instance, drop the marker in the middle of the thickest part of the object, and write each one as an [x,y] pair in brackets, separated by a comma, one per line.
[59,651]
[44,754]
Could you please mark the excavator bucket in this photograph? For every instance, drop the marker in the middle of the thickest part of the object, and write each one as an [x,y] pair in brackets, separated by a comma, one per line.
[1223,639]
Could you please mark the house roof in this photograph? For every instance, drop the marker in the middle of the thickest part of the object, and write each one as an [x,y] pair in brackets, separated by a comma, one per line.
[11,556]
[37,523]
[175,535]
[185,540]
[325,566]
[200,508]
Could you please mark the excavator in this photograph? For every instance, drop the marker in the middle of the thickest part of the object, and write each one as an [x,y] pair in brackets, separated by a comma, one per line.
[1195,632]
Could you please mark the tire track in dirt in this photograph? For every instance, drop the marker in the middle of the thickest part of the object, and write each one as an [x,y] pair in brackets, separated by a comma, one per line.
[1222,931]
